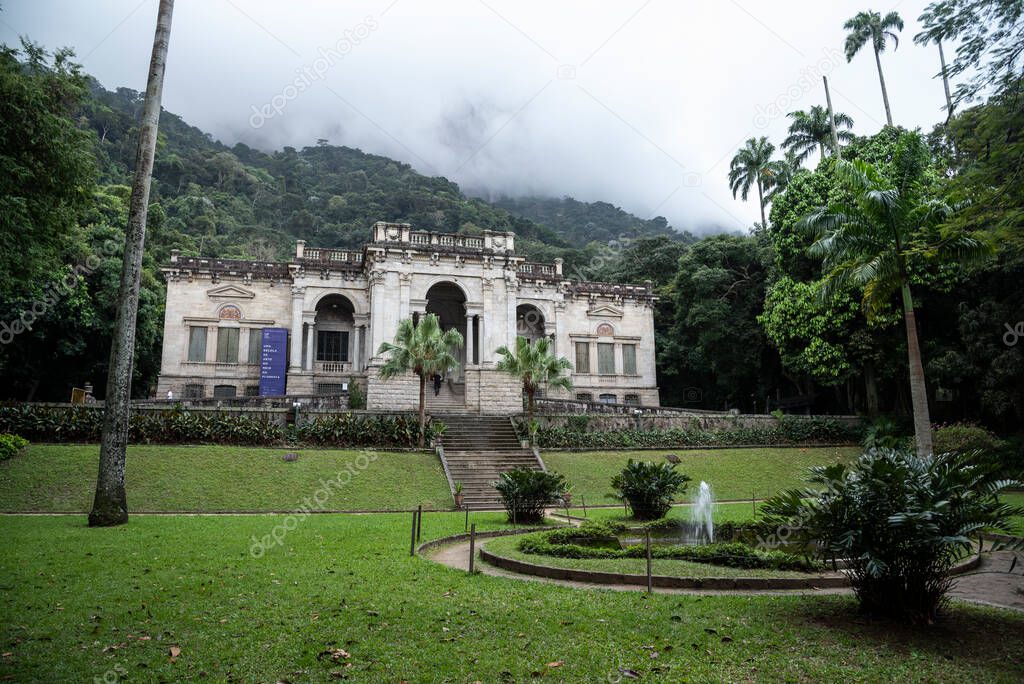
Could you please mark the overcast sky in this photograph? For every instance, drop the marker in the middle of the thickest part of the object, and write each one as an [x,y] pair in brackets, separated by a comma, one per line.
[639,103]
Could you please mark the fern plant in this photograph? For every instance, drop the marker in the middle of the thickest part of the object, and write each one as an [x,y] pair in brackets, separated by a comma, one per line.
[649,488]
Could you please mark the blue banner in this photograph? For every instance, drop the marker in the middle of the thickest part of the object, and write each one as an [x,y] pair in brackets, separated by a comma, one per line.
[274,362]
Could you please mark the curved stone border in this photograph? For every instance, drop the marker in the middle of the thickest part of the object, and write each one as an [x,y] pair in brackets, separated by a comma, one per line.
[456,538]
[662,581]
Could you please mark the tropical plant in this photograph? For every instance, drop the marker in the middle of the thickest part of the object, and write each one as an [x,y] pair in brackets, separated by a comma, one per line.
[812,130]
[753,167]
[423,349]
[879,30]
[870,241]
[535,364]
[901,521]
[886,433]
[356,398]
[966,437]
[649,488]
[525,493]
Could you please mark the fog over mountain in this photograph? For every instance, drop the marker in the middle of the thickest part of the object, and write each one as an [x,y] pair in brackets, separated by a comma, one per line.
[638,103]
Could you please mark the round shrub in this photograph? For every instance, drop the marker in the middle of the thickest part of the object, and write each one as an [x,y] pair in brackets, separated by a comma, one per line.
[525,493]
[649,488]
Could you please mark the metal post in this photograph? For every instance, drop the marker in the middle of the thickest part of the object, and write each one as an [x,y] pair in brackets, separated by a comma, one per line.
[832,121]
[647,541]
[412,539]
[466,528]
[472,546]
[584,504]
[753,503]
[419,521]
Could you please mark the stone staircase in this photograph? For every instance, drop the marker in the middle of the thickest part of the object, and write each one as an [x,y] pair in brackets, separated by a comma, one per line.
[448,400]
[476,449]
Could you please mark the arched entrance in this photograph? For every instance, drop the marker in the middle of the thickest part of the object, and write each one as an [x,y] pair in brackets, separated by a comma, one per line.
[334,330]
[529,322]
[448,302]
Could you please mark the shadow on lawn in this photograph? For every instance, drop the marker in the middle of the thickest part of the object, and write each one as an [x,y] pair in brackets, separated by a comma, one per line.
[988,639]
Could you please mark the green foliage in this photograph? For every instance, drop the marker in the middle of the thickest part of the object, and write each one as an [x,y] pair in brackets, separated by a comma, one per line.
[181,426]
[600,541]
[525,493]
[887,433]
[812,131]
[753,167]
[965,437]
[790,430]
[356,398]
[536,366]
[649,488]
[902,521]
[11,445]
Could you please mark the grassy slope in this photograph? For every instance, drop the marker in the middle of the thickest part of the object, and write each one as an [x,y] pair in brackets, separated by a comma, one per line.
[75,602]
[215,478]
[733,473]
[1015,499]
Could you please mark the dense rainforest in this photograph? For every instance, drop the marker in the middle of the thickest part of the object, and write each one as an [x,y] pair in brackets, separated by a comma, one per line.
[745,321]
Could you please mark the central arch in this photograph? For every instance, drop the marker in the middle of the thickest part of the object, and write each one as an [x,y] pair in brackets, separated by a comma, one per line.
[448,302]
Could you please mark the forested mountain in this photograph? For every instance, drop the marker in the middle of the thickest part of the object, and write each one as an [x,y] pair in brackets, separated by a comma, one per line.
[242,202]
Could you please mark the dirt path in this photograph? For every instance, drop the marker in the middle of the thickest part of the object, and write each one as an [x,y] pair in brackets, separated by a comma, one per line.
[988,585]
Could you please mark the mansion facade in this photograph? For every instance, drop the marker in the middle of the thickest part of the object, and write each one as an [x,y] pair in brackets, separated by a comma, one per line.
[332,309]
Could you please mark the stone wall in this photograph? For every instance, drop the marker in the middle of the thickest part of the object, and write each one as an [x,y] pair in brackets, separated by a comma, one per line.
[400,393]
[493,392]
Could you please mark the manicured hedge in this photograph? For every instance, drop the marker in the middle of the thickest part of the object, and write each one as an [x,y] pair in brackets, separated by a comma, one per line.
[591,541]
[789,430]
[181,426]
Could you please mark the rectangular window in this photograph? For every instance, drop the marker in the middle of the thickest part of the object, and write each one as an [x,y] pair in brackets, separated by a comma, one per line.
[331,345]
[584,396]
[608,399]
[255,345]
[227,345]
[582,357]
[605,358]
[224,391]
[632,400]
[193,391]
[629,359]
[196,343]
[252,390]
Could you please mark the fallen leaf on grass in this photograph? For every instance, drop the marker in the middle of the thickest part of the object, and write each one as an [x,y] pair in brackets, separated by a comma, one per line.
[556,663]
[334,654]
[175,651]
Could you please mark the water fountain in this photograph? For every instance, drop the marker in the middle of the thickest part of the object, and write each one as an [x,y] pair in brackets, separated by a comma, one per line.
[702,514]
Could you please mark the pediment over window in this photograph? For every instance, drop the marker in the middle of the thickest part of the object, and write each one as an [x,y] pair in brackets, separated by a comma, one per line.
[230,292]
[604,311]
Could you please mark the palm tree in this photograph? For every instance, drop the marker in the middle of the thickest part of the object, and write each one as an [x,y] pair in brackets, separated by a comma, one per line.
[869,240]
[424,349]
[879,30]
[110,505]
[812,129]
[536,365]
[753,166]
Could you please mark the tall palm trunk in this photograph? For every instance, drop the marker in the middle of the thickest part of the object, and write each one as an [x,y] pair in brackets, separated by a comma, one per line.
[885,93]
[529,404]
[918,389]
[110,506]
[760,202]
[423,407]
[945,82]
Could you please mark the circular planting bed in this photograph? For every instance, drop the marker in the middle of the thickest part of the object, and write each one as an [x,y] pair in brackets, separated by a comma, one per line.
[605,553]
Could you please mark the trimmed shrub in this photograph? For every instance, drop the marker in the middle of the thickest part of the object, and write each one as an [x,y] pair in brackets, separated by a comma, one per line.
[649,488]
[965,437]
[10,445]
[600,541]
[790,430]
[900,520]
[525,493]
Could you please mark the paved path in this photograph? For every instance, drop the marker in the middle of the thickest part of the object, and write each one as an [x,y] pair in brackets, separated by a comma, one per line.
[988,585]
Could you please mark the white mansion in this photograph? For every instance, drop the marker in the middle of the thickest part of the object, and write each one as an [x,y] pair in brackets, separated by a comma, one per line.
[332,308]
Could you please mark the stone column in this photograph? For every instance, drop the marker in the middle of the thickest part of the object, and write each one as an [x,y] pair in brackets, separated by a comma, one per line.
[469,339]
[295,343]
[310,345]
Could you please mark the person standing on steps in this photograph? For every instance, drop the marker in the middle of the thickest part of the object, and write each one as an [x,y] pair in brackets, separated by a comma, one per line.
[437,384]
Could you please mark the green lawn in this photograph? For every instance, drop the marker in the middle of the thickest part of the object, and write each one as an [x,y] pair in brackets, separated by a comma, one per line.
[1015,499]
[218,478]
[636,566]
[80,604]
[732,473]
